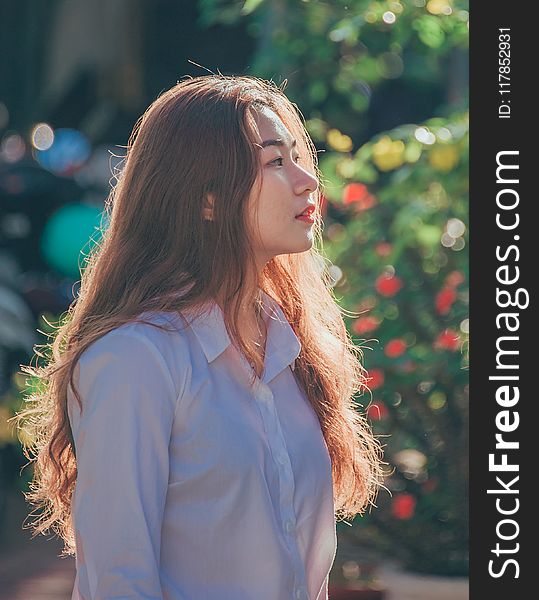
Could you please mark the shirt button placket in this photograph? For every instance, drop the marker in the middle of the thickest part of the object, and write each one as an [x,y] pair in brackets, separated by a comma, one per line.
[263,393]
[281,459]
[264,396]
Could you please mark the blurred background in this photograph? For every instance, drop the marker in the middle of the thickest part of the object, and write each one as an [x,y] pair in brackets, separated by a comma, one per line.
[383,87]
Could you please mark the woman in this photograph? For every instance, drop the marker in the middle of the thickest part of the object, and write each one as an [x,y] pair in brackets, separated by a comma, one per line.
[208,436]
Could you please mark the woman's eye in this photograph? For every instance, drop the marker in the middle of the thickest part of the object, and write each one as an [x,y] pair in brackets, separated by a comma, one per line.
[279,161]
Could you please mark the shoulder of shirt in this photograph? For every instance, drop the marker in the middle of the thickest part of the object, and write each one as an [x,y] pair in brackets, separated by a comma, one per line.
[167,347]
[158,328]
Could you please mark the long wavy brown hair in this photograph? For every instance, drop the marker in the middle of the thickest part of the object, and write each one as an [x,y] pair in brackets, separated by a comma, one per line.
[197,139]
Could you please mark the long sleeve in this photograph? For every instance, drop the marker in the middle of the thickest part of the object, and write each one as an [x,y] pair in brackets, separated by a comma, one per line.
[323,595]
[121,440]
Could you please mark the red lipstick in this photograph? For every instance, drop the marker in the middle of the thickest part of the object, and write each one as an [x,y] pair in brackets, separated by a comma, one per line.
[307,214]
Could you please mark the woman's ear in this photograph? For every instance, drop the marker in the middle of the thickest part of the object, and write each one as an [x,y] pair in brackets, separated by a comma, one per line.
[207,209]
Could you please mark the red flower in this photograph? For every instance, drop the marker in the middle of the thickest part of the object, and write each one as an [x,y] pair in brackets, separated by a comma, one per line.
[387,284]
[358,194]
[454,279]
[395,348]
[365,324]
[447,340]
[383,248]
[367,202]
[354,192]
[444,300]
[375,379]
[377,411]
[403,506]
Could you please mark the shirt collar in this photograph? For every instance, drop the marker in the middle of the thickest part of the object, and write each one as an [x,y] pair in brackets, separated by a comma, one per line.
[282,344]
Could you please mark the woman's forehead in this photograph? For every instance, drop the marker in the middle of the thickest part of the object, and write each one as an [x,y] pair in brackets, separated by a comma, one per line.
[270,127]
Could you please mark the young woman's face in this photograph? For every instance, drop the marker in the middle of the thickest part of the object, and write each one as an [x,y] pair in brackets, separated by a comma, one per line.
[285,192]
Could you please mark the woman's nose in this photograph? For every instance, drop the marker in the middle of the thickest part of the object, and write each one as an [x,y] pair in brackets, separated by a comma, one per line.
[305,182]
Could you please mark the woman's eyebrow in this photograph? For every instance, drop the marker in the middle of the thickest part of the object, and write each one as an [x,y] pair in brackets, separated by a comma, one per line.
[277,142]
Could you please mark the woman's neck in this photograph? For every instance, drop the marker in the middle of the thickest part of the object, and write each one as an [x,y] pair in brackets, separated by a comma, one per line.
[251,322]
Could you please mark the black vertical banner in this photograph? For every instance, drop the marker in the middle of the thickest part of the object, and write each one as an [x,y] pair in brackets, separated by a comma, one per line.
[504,261]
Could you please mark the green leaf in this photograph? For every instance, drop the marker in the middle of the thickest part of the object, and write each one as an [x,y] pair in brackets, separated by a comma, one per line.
[429,31]
[429,235]
[250,6]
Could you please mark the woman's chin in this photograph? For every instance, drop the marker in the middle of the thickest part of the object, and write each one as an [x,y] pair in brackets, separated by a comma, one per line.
[302,246]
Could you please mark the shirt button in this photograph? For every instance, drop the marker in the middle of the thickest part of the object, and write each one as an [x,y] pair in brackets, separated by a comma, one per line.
[298,594]
[289,526]
[281,459]
[264,393]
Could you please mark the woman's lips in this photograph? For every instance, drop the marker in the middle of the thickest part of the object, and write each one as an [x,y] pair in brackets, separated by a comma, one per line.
[308,218]
[307,214]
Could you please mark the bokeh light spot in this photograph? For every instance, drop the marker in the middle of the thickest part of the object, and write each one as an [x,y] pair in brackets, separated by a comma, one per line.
[444,135]
[42,136]
[69,235]
[458,245]
[447,240]
[12,148]
[455,228]
[69,151]
[423,135]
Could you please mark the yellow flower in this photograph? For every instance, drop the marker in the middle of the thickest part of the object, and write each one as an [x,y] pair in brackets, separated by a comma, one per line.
[439,7]
[346,168]
[338,141]
[388,154]
[443,158]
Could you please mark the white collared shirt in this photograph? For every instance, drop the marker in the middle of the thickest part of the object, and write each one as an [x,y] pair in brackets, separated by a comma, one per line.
[190,484]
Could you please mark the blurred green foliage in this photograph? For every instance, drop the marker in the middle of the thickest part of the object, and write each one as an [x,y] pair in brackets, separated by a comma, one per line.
[384,91]
[398,246]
